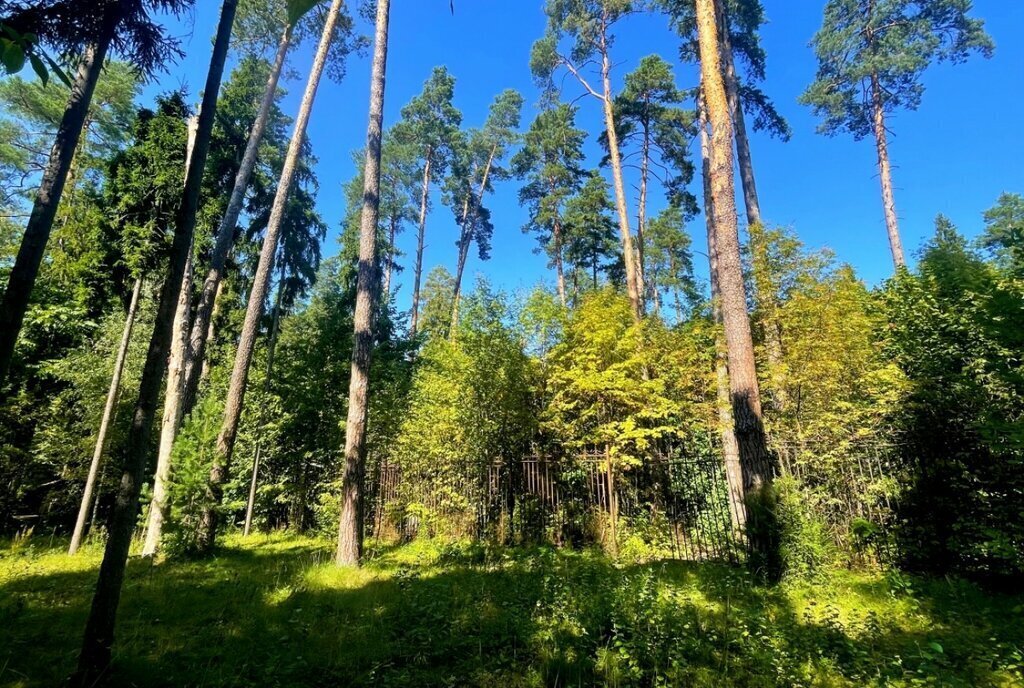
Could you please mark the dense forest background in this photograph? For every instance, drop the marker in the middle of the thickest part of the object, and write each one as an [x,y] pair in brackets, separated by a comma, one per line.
[186,353]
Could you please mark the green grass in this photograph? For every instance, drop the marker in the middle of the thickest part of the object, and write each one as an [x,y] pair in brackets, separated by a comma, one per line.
[273,611]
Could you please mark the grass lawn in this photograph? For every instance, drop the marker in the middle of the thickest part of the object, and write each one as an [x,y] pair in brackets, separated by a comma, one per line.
[273,611]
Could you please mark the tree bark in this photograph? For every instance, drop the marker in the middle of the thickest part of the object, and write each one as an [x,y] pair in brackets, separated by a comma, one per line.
[885,174]
[225,235]
[633,288]
[418,272]
[766,300]
[556,238]
[250,504]
[350,526]
[37,232]
[389,265]
[726,426]
[108,416]
[172,396]
[99,630]
[641,212]
[755,460]
[258,293]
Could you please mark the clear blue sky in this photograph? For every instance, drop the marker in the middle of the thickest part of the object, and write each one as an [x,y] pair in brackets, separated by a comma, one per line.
[954,155]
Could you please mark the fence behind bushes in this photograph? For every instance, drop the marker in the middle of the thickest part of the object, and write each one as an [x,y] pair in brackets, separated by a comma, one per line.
[676,501]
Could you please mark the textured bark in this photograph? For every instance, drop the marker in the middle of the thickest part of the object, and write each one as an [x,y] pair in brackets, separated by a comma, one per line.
[418,271]
[389,264]
[633,288]
[465,240]
[250,504]
[885,174]
[224,238]
[258,294]
[350,525]
[172,396]
[766,300]
[641,212]
[40,222]
[726,427]
[556,238]
[99,629]
[108,416]
[755,460]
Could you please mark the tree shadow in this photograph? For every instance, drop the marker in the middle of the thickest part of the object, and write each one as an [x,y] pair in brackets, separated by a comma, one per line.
[283,616]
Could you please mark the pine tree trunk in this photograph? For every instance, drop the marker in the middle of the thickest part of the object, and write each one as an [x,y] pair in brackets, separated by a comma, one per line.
[172,396]
[885,174]
[466,239]
[258,293]
[172,415]
[389,265]
[224,238]
[250,504]
[99,630]
[755,460]
[23,274]
[211,331]
[726,427]
[108,416]
[418,271]
[629,256]
[765,299]
[641,213]
[556,238]
[350,525]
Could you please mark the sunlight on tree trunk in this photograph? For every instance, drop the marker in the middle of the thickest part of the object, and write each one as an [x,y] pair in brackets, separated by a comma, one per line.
[350,526]
[418,270]
[885,174]
[258,294]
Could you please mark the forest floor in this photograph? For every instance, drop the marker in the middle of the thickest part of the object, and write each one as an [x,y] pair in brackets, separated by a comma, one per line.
[273,611]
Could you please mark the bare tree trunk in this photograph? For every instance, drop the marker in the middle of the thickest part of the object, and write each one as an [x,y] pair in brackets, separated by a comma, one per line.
[755,459]
[885,174]
[350,525]
[726,427]
[224,238]
[763,296]
[466,239]
[99,629]
[389,265]
[556,238]
[172,396]
[37,232]
[211,331]
[641,213]
[108,416]
[418,272]
[250,504]
[258,293]
[633,288]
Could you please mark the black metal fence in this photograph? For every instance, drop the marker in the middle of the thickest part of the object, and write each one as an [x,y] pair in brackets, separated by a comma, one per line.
[675,502]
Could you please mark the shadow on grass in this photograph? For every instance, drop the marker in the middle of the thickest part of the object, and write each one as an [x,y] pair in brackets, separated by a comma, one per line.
[281,615]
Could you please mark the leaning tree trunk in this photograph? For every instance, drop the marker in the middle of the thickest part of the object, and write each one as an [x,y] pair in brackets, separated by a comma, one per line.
[250,505]
[172,395]
[764,296]
[726,426]
[885,174]
[418,271]
[258,293]
[467,239]
[224,238]
[755,459]
[37,232]
[350,524]
[99,629]
[629,256]
[108,415]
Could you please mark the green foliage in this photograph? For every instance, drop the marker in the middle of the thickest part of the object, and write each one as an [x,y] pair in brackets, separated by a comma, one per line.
[889,41]
[433,613]
[1004,233]
[955,330]
[590,244]
[191,460]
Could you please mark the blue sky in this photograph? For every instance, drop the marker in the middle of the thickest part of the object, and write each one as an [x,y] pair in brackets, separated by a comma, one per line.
[954,155]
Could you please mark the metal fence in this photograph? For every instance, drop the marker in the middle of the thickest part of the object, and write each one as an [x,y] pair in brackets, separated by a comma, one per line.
[675,503]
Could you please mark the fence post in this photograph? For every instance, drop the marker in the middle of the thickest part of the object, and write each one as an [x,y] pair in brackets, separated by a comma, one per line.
[613,501]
